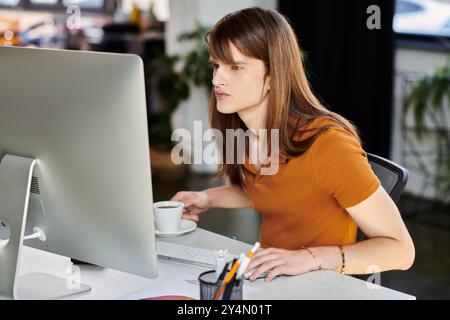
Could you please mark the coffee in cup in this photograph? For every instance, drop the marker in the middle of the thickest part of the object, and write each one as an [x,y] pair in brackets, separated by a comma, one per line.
[168,215]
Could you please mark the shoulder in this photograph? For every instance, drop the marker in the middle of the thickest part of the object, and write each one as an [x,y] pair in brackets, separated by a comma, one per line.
[334,139]
[333,143]
[330,132]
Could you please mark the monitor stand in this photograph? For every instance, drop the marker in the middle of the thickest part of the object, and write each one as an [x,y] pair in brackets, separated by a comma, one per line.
[15,181]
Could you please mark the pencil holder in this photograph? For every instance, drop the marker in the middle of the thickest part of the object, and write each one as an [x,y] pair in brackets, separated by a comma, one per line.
[209,284]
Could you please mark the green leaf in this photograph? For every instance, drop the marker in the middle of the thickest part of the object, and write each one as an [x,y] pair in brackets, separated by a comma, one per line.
[428,96]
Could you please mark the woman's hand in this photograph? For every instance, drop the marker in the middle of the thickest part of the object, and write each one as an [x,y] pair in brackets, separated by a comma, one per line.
[194,203]
[281,262]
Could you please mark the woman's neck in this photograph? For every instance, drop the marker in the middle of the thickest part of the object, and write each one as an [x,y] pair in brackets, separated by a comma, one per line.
[255,117]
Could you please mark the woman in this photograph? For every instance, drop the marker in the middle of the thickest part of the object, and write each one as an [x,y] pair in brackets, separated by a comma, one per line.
[324,188]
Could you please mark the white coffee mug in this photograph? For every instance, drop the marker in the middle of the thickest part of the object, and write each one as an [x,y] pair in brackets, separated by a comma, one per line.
[168,215]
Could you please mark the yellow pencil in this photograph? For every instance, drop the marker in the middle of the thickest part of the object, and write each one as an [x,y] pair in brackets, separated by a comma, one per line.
[228,278]
[233,270]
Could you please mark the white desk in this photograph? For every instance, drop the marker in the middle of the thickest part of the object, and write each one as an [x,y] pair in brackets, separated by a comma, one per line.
[112,284]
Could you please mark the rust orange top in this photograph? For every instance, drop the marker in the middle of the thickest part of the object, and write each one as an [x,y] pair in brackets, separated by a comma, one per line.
[304,203]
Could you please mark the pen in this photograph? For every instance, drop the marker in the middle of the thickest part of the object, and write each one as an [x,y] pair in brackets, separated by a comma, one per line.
[228,278]
[246,260]
[224,271]
[229,288]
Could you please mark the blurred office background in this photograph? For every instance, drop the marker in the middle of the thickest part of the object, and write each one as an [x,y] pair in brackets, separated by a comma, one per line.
[367,74]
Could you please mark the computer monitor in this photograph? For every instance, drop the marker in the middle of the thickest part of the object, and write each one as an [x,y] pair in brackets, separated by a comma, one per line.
[80,119]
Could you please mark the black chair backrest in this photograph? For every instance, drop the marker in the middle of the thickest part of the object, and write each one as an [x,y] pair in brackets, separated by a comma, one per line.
[393,177]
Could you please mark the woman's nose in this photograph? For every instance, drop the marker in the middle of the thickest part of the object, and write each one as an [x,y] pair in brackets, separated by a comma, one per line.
[219,78]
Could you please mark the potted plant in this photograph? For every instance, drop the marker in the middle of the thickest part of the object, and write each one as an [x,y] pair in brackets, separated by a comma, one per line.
[173,77]
[427,100]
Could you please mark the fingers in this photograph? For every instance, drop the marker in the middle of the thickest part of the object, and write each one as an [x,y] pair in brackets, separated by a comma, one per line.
[178,196]
[263,256]
[192,217]
[192,210]
[267,251]
[265,267]
[261,261]
[192,206]
[275,272]
[187,198]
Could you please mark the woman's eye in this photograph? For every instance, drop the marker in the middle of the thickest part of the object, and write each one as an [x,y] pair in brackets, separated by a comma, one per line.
[215,66]
[236,68]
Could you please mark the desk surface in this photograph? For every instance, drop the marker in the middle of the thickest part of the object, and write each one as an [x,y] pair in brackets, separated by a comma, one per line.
[111,284]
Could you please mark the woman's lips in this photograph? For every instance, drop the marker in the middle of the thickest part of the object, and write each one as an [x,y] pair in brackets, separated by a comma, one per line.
[221,96]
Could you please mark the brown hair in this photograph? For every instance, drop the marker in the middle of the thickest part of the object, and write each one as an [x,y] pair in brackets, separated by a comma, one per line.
[266,35]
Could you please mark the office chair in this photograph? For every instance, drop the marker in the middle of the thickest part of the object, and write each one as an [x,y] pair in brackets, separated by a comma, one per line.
[392,176]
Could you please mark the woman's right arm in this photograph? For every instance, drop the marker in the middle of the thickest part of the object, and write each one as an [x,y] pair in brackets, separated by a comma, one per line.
[196,202]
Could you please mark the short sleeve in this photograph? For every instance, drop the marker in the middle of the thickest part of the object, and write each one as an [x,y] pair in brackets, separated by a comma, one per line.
[341,169]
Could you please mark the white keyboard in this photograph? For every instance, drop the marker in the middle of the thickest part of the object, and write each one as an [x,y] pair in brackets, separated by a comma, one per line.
[186,254]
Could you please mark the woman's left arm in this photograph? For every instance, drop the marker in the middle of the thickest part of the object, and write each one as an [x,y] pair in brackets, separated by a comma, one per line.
[389,245]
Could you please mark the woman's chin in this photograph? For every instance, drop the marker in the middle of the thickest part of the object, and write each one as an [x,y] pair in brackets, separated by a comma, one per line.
[223,109]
